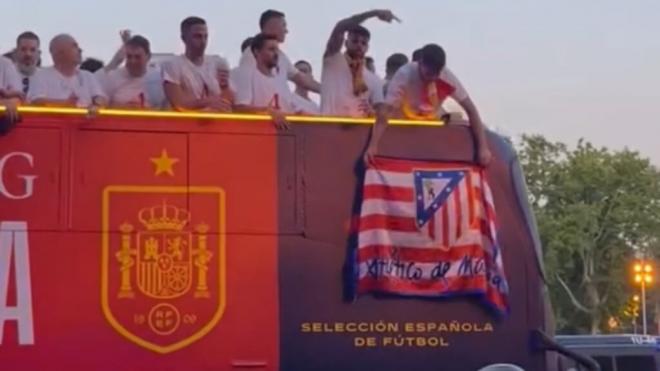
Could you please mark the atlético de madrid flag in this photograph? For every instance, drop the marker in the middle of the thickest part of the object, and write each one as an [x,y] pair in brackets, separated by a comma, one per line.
[429,229]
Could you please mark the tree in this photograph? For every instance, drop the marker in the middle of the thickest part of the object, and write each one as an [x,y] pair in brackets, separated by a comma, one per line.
[596,209]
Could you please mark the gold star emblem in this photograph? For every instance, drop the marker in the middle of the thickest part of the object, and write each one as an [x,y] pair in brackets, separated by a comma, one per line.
[164,163]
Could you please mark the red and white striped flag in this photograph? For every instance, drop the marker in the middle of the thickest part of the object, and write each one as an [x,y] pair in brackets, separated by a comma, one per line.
[429,229]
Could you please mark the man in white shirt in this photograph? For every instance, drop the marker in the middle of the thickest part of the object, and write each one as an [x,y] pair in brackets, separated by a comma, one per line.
[418,90]
[10,91]
[301,95]
[398,60]
[189,80]
[64,84]
[126,87]
[27,57]
[273,22]
[348,87]
[260,89]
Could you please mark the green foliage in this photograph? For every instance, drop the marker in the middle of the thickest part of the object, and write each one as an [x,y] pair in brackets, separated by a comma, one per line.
[596,209]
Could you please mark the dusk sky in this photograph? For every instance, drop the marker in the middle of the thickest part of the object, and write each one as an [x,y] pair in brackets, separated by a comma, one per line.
[564,68]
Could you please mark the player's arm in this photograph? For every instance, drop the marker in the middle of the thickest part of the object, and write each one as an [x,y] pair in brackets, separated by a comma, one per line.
[120,54]
[99,98]
[10,108]
[11,94]
[307,82]
[99,101]
[279,118]
[12,90]
[180,100]
[337,36]
[383,112]
[483,151]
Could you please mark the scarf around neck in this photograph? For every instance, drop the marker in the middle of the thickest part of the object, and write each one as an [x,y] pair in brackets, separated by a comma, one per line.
[357,73]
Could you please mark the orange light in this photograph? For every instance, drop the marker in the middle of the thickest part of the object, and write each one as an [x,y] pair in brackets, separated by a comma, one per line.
[648,268]
[613,323]
[215,116]
[638,267]
[638,278]
[636,298]
[648,278]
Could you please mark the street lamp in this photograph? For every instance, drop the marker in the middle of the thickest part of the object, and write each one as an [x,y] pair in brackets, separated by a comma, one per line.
[643,277]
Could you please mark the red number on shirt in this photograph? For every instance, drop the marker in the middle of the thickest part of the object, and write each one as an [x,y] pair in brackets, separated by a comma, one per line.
[274,102]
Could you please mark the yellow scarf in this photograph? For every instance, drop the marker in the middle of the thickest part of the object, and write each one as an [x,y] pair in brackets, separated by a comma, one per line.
[429,104]
[431,96]
[430,101]
[357,69]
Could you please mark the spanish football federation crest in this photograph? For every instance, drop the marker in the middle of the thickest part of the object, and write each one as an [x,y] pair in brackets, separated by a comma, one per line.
[163,272]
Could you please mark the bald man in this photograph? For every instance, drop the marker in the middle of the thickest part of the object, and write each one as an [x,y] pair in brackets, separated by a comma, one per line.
[223,72]
[64,84]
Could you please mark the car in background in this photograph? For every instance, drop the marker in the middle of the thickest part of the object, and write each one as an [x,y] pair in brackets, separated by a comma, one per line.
[615,352]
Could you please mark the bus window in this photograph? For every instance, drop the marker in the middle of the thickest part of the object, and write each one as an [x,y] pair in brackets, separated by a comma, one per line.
[635,363]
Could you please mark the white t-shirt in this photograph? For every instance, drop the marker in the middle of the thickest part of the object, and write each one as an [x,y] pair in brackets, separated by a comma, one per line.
[337,98]
[306,106]
[200,81]
[48,83]
[285,68]
[121,88]
[406,89]
[258,90]
[10,80]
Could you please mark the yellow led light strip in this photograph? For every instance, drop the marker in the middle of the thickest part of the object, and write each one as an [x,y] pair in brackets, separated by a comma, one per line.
[214,116]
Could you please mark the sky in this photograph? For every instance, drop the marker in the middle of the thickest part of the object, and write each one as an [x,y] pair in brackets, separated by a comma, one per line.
[566,69]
